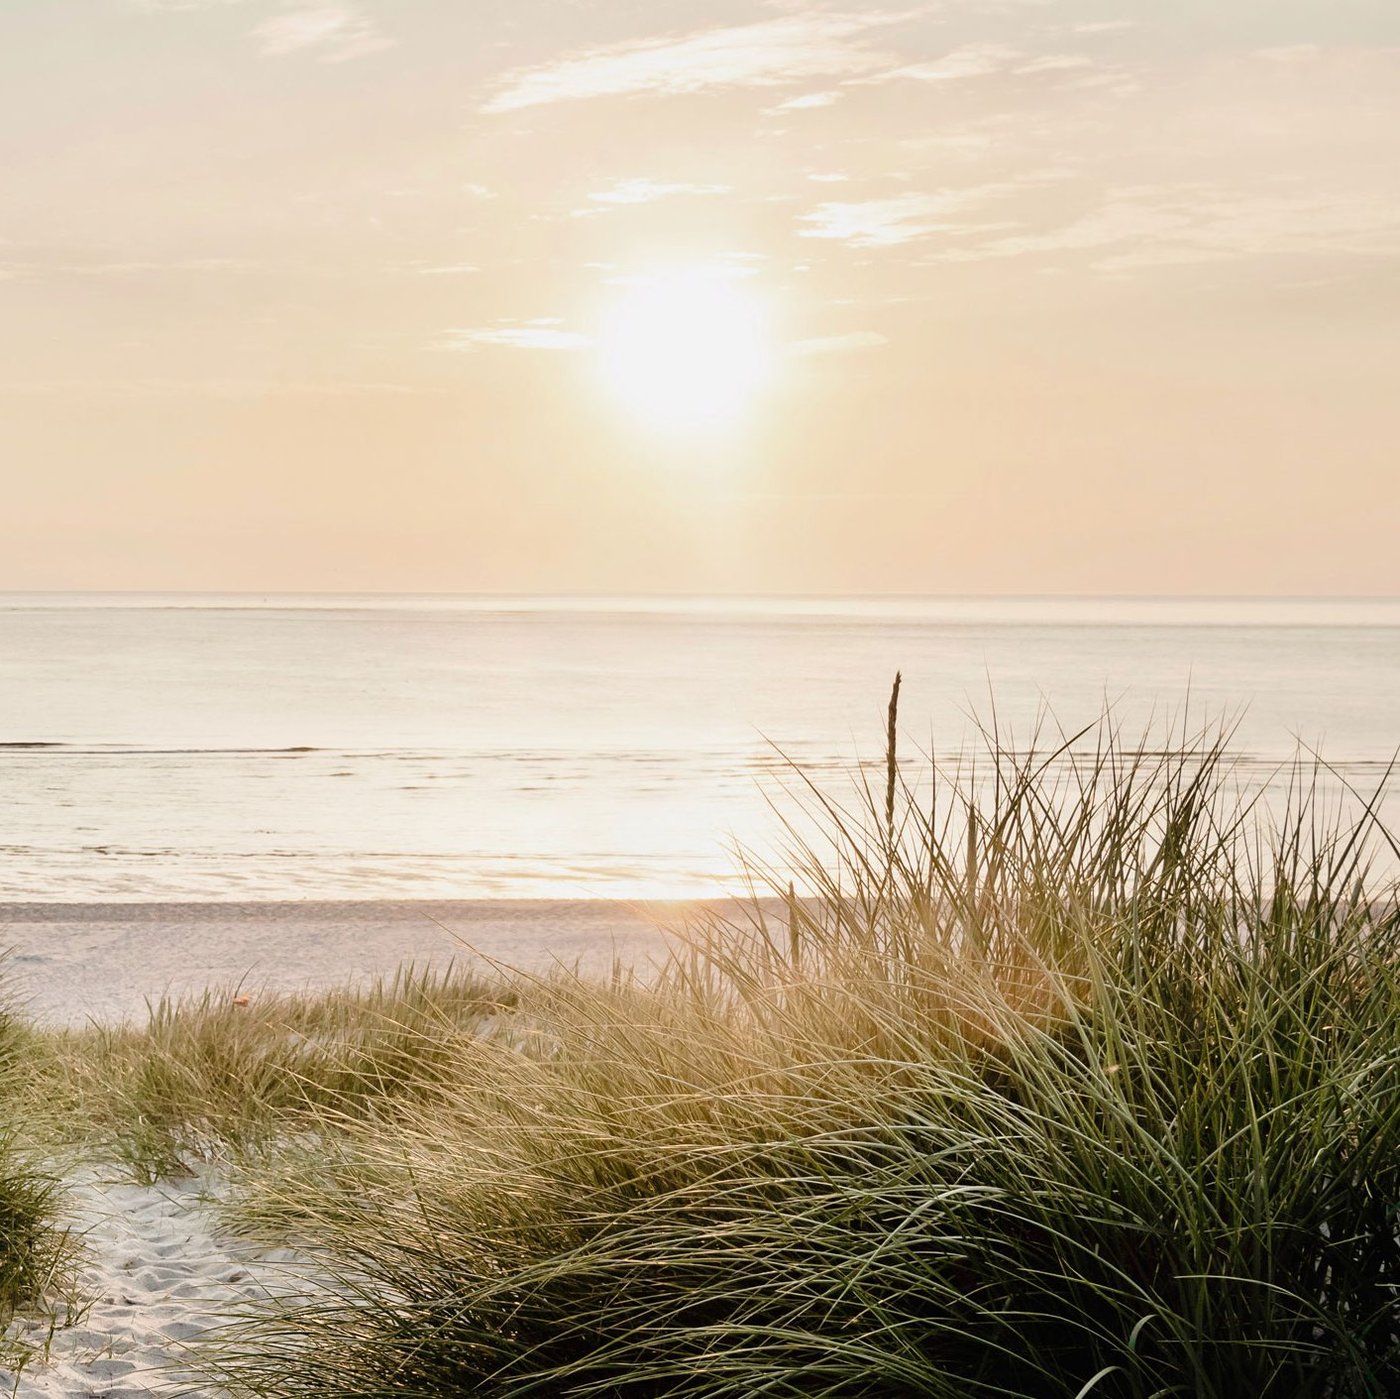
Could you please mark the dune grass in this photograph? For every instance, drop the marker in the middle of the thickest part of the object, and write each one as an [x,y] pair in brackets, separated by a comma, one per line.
[233,1071]
[36,1253]
[1080,1077]
[1071,1072]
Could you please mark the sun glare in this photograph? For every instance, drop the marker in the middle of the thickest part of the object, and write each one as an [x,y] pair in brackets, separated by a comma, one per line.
[685,350]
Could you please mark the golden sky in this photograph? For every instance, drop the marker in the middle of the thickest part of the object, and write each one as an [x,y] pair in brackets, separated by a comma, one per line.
[979,296]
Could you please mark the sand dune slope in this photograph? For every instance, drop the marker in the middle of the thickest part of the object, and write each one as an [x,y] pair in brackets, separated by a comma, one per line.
[157,1273]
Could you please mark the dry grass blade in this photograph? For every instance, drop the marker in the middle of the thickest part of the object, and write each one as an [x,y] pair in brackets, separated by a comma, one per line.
[1073,1072]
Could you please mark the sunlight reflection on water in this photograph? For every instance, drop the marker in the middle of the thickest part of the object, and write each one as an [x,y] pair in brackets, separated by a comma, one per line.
[439,748]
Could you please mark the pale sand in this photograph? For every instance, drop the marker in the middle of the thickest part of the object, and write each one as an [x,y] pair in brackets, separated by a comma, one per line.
[71,963]
[157,1273]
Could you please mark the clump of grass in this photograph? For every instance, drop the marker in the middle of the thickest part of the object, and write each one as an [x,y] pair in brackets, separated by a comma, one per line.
[231,1070]
[1080,1076]
[36,1253]
[34,1250]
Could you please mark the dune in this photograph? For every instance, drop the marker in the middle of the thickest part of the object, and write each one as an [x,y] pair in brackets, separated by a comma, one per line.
[157,1273]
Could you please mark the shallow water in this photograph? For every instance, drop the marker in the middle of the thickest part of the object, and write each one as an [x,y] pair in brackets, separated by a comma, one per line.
[204,748]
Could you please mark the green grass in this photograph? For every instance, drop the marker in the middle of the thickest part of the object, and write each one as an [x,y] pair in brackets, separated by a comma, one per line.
[231,1071]
[36,1253]
[1083,1080]
[1073,1074]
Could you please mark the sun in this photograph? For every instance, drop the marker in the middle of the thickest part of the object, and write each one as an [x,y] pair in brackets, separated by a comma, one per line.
[685,350]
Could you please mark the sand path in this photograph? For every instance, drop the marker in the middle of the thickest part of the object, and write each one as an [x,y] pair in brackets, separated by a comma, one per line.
[157,1272]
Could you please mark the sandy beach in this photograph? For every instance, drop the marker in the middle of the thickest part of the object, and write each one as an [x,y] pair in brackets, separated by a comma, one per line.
[157,1272]
[699,700]
[74,963]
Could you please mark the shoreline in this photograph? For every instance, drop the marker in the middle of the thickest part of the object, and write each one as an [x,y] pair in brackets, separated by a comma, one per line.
[76,963]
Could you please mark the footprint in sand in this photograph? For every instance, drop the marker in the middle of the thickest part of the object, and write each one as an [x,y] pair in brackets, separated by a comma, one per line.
[159,1273]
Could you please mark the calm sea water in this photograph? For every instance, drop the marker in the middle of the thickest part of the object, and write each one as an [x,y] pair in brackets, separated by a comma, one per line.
[188,747]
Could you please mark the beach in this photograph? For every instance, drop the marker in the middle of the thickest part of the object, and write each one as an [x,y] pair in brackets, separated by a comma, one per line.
[71,964]
[222,806]
[157,1269]
[699,701]
[229,750]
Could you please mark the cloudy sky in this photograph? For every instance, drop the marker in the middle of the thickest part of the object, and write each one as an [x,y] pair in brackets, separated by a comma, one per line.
[1069,296]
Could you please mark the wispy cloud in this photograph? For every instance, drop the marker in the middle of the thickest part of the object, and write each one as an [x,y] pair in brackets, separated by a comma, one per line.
[332,33]
[840,344]
[1289,53]
[1054,63]
[982,61]
[969,61]
[175,5]
[221,387]
[769,53]
[645,191]
[1160,226]
[544,333]
[40,267]
[872,223]
[808,101]
[884,223]
[441,269]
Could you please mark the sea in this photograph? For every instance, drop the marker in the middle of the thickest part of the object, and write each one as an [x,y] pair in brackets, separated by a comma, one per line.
[218,747]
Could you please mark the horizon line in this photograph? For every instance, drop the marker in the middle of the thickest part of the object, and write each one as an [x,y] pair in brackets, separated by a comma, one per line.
[699,596]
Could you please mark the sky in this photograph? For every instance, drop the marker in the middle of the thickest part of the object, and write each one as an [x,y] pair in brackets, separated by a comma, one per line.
[741,296]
